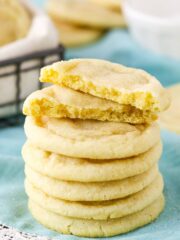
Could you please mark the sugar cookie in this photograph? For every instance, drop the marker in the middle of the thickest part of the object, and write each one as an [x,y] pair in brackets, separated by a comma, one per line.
[111,4]
[98,191]
[72,36]
[95,228]
[15,21]
[98,210]
[62,102]
[87,170]
[91,139]
[84,13]
[110,81]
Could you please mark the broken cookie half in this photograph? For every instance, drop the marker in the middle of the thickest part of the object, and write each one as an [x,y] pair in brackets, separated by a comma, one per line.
[102,90]
[61,102]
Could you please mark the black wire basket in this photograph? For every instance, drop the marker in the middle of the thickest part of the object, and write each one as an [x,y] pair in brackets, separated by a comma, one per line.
[17,74]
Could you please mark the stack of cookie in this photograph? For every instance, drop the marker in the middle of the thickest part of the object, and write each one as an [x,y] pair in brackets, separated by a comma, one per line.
[83,21]
[93,148]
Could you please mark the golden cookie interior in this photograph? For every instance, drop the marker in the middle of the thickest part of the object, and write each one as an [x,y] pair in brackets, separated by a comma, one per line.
[62,102]
[126,86]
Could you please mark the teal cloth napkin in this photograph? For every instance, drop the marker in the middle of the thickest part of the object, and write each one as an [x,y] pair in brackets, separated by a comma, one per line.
[116,46]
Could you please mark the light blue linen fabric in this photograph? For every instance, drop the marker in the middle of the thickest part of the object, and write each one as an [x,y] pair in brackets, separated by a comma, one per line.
[116,46]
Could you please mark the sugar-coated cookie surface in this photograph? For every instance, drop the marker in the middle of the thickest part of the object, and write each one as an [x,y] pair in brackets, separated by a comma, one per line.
[61,102]
[15,21]
[91,139]
[97,191]
[170,119]
[95,228]
[85,13]
[97,210]
[110,81]
[87,170]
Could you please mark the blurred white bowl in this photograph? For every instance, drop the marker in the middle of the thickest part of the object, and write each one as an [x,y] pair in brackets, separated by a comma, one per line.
[155,24]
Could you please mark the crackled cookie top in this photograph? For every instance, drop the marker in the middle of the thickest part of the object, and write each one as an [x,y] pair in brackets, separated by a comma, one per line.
[79,129]
[110,81]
